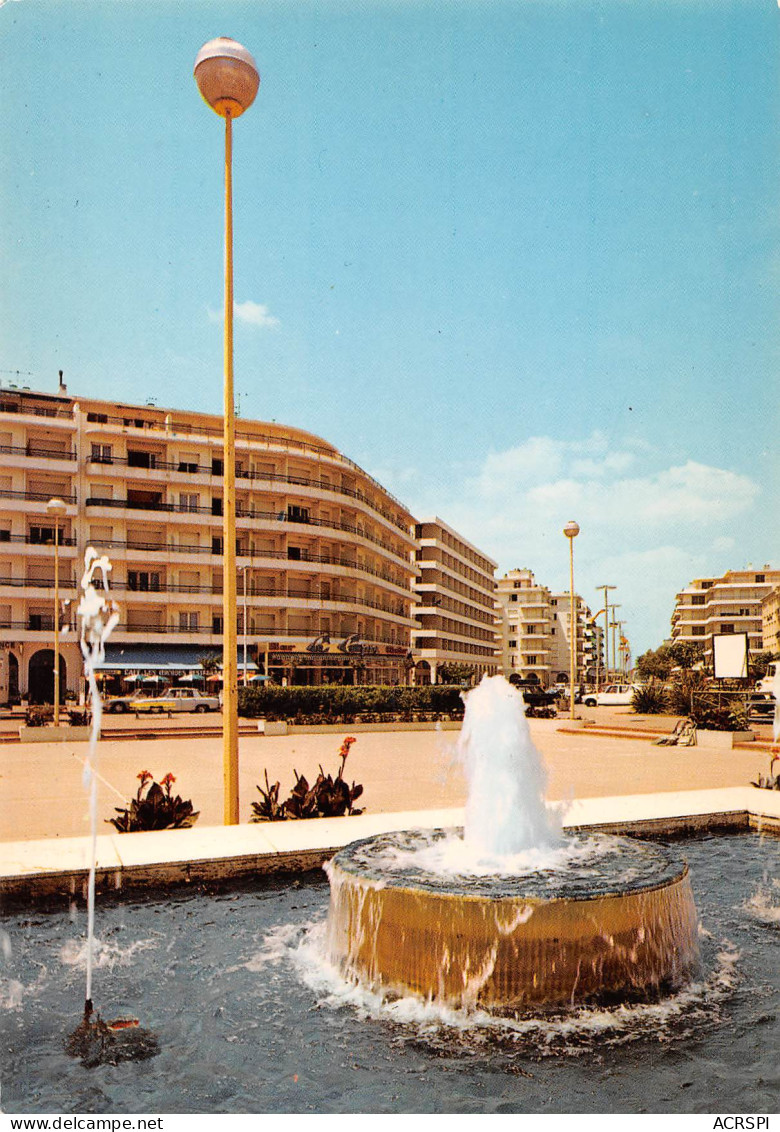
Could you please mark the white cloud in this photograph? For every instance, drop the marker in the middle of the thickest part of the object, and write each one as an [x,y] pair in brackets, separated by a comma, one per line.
[254,314]
[646,526]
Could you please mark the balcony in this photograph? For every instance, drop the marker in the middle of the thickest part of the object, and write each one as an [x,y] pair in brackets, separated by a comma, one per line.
[241,513]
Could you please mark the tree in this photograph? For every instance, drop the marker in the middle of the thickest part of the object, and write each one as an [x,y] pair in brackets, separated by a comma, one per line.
[685,654]
[759,663]
[655,664]
[453,673]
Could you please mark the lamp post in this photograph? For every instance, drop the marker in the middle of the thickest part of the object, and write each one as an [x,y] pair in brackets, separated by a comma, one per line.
[614,624]
[571,530]
[56,508]
[243,571]
[606,629]
[227,78]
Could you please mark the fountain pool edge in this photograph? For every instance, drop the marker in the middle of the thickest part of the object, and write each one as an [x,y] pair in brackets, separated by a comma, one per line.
[30,870]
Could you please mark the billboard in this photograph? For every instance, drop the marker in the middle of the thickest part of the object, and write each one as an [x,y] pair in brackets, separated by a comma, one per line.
[730,656]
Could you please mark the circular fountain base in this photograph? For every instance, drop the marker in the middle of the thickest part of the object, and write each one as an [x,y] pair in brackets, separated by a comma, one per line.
[616,921]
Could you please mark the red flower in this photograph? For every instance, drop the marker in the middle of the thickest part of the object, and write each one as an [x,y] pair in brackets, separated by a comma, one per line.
[145,775]
[168,781]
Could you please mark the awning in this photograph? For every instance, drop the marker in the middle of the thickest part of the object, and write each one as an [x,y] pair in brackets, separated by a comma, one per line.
[156,658]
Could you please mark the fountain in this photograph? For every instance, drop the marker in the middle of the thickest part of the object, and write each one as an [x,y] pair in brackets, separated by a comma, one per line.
[510,914]
[94,1041]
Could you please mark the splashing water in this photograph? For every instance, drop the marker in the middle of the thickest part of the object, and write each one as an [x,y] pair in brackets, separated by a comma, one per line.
[506,813]
[98,616]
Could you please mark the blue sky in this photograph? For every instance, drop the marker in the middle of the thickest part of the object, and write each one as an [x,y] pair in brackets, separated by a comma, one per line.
[517,259]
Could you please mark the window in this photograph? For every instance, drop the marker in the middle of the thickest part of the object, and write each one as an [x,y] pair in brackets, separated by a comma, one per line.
[217,466]
[216,544]
[143,580]
[102,454]
[727,628]
[5,536]
[697,631]
[531,660]
[296,514]
[136,459]
[188,622]
[760,577]
[216,623]
[43,535]
[294,552]
[98,418]
[188,501]
[513,597]
[188,466]
[513,644]
[697,599]
[216,506]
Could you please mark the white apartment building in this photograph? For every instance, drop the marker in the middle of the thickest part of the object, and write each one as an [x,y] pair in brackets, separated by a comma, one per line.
[731,603]
[534,631]
[325,554]
[770,622]
[455,589]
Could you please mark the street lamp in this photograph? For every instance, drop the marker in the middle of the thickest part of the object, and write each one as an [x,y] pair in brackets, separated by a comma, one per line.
[56,508]
[227,78]
[243,571]
[571,530]
[606,629]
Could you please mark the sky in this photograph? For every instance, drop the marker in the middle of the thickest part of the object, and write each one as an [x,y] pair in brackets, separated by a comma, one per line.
[519,259]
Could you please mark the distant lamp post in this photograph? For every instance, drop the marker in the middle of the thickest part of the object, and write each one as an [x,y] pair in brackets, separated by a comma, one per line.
[56,509]
[227,78]
[571,530]
[243,570]
[606,590]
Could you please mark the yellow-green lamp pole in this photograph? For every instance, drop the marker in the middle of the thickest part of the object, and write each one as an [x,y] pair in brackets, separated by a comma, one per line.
[227,78]
[56,508]
[571,530]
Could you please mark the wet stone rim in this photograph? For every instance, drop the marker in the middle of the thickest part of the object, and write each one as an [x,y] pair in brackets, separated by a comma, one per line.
[617,866]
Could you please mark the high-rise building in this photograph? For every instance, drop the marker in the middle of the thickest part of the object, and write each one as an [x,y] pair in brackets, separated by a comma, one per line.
[534,631]
[325,553]
[455,589]
[708,607]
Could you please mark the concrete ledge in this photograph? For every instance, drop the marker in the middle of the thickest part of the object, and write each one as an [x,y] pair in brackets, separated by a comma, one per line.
[58,867]
[47,734]
[722,739]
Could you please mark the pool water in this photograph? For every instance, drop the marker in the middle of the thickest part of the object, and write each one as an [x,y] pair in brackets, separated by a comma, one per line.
[250,1018]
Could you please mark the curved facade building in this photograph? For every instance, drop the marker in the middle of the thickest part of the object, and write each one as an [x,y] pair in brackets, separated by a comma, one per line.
[325,554]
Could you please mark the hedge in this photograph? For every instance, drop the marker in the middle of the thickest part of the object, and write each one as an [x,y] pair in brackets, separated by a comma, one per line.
[344,702]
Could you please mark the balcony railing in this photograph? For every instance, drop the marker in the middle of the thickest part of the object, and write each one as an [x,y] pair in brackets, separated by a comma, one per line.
[39,583]
[182,428]
[396,609]
[188,468]
[243,552]
[37,496]
[241,513]
[26,408]
[36,453]
[29,540]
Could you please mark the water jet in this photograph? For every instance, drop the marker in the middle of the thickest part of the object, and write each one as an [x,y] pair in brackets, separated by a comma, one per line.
[508,914]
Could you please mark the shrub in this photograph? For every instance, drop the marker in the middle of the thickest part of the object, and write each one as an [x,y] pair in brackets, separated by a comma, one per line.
[39,716]
[157,809]
[332,702]
[652,699]
[328,798]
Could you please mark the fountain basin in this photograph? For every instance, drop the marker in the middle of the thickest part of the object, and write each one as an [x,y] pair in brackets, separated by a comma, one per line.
[618,921]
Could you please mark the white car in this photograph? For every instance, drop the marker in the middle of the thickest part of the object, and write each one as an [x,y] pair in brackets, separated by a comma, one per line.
[176,699]
[613,694]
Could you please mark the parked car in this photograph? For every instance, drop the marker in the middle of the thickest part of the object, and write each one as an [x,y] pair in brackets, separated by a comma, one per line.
[119,703]
[176,699]
[613,694]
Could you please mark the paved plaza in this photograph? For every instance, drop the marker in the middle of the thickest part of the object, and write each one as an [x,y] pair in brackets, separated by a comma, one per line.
[42,793]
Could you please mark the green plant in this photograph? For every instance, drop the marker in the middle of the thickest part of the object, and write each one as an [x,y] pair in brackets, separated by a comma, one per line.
[651,699]
[39,716]
[157,809]
[328,798]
